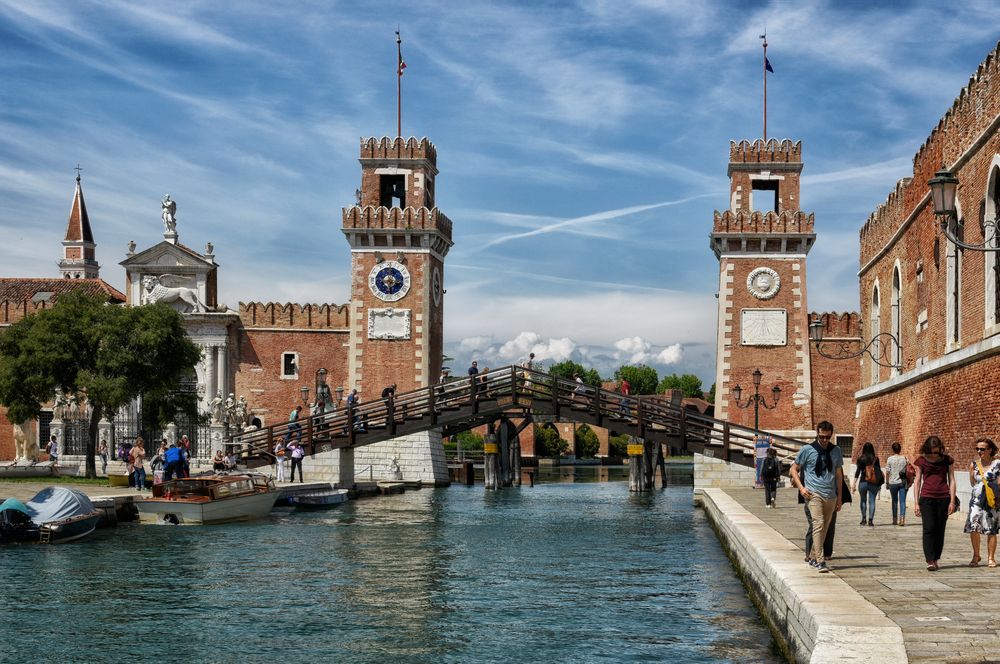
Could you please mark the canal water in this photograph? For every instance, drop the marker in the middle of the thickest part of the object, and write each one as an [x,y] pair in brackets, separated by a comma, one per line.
[567,571]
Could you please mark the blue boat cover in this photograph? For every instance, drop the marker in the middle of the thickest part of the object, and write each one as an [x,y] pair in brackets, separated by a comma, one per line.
[14,504]
[56,503]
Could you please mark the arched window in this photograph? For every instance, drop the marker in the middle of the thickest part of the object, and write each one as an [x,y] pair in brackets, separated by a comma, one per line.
[875,328]
[896,314]
[990,220]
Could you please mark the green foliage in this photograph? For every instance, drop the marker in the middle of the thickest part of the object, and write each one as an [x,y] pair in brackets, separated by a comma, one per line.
[688,384]
[470,440]
[567,368]
[587,443]
[548,443]
[618,446]
[110,353]
[711,394]
[641,379]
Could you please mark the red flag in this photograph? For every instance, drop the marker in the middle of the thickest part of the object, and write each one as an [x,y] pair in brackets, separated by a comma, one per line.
[399,51]
[402,66]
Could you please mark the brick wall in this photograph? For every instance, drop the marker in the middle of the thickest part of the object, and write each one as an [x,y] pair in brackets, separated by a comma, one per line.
[834,382]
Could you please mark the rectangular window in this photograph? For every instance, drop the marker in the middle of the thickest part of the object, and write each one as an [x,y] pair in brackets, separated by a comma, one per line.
[289,365]
[765,196]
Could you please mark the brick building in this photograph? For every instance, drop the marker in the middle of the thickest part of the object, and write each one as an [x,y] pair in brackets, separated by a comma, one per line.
[762,242]
[941,302]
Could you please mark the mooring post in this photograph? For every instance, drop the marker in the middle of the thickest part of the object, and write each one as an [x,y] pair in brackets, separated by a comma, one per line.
[505,465]
[491,462]
[635,454]
[648,465]
[515,455]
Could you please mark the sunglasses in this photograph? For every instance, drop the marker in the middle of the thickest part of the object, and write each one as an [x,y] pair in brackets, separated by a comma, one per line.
[982,449]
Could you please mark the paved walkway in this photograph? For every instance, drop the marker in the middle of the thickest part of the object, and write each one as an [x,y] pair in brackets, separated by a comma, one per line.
[952,615]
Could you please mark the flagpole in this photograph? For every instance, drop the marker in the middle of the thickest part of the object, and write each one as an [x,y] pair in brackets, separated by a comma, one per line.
[399,85]
[764,37]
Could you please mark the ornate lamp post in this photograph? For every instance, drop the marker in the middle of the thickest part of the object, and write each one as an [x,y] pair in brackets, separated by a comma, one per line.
[322,389]
[944,187]
[756,399]
[305,395]
[879,352]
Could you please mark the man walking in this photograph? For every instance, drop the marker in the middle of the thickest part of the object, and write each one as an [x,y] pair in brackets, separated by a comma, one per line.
[293,425]
[818,474]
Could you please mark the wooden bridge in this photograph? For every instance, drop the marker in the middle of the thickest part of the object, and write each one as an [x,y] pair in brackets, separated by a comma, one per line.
[512,395]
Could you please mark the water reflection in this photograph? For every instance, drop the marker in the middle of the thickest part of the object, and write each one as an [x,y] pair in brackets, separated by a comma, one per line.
[561,572]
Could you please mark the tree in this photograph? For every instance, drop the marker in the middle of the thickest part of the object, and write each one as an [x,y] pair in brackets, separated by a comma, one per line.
[688,384]
[567,368]
[641,379]
[618,445]
[587,443]
[711,394]
[111,354]
[548,443]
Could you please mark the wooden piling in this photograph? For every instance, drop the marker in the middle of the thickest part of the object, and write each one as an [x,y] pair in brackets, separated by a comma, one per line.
[635,468]
[491,462]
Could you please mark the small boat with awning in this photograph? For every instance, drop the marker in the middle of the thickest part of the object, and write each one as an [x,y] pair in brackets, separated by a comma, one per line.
[55,515]
[209,499]
[319,500]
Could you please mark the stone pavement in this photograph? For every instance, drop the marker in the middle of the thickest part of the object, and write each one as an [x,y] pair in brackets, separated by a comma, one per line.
[952,615]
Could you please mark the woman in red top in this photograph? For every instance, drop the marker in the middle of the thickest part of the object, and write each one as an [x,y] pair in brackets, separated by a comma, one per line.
[935,485]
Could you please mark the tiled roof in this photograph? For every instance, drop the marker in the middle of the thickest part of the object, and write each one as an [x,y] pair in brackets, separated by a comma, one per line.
[78,227]
[19,290]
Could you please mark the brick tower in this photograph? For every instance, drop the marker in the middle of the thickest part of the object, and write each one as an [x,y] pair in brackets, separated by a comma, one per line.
[399,241]
[78,259]
[761,242]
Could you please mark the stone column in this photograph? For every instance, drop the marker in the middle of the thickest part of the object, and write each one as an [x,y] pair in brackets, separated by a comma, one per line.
[223,371]
[345,479]
[57,429]
[211,382]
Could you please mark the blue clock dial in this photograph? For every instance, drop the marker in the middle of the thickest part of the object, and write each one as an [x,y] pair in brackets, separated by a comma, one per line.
[389,280]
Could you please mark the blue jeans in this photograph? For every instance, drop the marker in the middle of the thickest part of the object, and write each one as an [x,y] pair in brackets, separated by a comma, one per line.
[898,493]
[294,428]
[869,494]
[140,478]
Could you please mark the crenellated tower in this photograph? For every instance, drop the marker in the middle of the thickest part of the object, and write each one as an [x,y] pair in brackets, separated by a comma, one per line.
[399,240]
[761,242]
[78,259]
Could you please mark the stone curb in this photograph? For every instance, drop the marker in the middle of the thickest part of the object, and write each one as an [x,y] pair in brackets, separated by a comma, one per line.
[819,616]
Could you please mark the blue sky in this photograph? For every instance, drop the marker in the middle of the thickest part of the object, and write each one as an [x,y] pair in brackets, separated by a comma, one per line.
[582,145]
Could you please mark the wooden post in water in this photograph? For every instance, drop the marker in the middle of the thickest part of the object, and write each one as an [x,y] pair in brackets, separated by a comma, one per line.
[663,466]
[504,453]
[648,465]
[635,466]
[491,462]
[515,457]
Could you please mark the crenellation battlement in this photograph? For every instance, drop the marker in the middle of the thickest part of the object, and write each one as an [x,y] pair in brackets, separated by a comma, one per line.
[410,218]
[758,151]
[839,325]
[295,316]
[890,214]
[398,148]
[744,221]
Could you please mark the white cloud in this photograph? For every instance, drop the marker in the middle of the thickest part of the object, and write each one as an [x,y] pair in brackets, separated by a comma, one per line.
[633,350]
[670,355]
[471,344]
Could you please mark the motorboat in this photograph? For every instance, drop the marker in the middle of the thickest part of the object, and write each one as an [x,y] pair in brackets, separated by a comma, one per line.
[319,500]
[208,499]
[54,516]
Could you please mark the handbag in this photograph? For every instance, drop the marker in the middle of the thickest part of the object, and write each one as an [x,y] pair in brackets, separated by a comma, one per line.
[991,497]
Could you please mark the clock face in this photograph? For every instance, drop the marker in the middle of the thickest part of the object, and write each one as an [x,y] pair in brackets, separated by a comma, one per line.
[763,283]
[436,289]
[389,281]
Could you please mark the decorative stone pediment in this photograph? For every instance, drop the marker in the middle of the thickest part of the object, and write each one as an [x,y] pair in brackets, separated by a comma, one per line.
[174,274]
[166,254]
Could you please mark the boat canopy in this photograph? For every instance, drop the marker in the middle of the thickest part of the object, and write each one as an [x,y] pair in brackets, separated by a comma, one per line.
[14,504]
[56,502]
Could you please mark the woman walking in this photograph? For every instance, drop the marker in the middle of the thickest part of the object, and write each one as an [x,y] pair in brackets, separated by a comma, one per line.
[983,511]
[138,458]
[871,479]
[897,482]
[935,486]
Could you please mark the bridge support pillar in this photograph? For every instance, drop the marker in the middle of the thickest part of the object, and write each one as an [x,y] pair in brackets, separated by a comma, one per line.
[345,474]
[491,462]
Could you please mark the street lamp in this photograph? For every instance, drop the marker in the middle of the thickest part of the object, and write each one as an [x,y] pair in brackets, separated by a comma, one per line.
[305,394]
[880,353]
[757,400]
[322,389]
[944,187]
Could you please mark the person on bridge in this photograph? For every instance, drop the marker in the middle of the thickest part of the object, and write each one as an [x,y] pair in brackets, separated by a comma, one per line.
[293,425]
[818,474]
[625,389]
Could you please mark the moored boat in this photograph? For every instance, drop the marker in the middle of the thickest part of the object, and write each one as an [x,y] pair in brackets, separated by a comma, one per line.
[209,499]
[319,500]
[54,516]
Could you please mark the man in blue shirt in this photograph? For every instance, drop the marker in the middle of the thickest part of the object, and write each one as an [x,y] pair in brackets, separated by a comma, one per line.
[172,458]
[818,473]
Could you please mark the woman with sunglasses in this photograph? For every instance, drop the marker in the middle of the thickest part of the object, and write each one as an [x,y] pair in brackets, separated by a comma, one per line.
[983,516]
[935,488]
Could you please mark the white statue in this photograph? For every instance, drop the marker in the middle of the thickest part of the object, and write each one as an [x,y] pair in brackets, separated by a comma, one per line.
[231,411]
[158,289]
[242,414]
[59,406]
[24,449]
[395,470]
[216,409]
[169,210]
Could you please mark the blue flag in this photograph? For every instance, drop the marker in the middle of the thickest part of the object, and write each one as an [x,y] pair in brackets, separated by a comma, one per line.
[767,65]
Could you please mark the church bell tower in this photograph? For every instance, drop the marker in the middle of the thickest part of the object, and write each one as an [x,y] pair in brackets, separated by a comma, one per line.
[761,242]
[78,259]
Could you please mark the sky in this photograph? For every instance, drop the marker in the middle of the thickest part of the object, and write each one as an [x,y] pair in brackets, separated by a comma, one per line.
[582,146]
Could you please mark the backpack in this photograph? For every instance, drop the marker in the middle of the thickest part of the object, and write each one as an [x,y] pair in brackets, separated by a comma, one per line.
[771,470]
[870,473]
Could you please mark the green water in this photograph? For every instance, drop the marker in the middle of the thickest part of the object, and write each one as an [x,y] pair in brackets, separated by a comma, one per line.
[562,572]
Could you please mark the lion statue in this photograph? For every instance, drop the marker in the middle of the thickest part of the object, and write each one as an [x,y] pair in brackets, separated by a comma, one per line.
[24,449]
[159,289]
